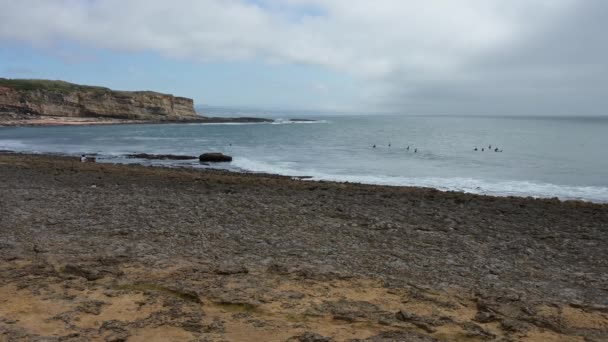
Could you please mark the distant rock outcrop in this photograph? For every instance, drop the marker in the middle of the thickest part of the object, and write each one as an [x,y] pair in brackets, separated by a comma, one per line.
[58,98]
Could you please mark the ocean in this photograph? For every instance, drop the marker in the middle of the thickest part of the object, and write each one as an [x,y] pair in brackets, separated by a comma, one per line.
[562,157]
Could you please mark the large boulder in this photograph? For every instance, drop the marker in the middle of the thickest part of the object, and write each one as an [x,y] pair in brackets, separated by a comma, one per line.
[214,157]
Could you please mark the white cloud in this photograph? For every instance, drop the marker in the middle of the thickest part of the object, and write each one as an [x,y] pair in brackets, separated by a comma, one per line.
[391,45]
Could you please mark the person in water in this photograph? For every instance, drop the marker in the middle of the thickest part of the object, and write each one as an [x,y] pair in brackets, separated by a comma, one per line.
[482,150]
[475,149]
[408,148]
[489,147]
[415,150]
[496,149]
[374,146]
[389,144]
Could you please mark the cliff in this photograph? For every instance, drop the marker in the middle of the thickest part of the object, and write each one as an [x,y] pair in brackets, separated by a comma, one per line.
[63,99]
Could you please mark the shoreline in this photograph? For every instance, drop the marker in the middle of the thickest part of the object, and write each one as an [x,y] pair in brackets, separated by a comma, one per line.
[129,252]
[302,177]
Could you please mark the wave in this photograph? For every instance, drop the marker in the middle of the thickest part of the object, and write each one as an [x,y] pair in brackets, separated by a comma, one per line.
[281,121]
[469,185]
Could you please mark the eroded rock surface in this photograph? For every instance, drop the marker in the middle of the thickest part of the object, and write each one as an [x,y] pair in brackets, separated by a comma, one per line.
[153,254]
[63,99]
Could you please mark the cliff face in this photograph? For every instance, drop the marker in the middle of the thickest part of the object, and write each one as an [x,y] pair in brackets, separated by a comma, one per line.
[56,98]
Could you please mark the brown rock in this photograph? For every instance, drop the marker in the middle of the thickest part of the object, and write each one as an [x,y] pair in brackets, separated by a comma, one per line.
[58,98]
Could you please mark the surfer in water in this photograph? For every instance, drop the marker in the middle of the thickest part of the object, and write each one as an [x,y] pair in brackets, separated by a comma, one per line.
[374,146]
[475,149]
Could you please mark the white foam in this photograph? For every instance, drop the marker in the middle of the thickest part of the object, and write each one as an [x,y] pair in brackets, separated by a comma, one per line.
[469,185]
[281,121]
[8,144]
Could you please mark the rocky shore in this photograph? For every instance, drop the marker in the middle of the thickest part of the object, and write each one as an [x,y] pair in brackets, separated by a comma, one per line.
[131,253]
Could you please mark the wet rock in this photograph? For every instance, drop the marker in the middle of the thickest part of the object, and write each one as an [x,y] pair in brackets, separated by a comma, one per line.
[214,157]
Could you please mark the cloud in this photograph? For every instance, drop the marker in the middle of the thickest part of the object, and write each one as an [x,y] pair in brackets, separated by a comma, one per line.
[406,54]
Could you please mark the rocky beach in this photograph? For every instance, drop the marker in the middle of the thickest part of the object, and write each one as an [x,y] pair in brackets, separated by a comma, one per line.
[132,253]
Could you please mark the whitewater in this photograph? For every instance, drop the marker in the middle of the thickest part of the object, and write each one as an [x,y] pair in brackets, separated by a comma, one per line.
[541,156]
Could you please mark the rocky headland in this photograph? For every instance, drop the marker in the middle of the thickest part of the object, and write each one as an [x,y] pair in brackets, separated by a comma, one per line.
[131,253]
[45,102]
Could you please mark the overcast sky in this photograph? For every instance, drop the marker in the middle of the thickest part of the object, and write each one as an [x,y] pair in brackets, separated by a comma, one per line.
[479,57]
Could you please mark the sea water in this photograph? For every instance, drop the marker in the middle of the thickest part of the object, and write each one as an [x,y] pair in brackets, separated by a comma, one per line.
[563,157]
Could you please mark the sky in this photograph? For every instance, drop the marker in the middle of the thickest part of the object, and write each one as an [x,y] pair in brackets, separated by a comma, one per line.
[443,57]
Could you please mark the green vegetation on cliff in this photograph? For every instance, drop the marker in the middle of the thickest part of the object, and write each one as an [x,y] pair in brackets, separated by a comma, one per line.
[48,85]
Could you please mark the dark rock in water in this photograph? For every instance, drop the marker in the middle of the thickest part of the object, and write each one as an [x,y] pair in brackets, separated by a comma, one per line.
[214,157]
[159,156]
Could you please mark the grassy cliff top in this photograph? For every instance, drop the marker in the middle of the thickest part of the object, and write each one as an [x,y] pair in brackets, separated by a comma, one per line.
[59,86]
[64,87]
